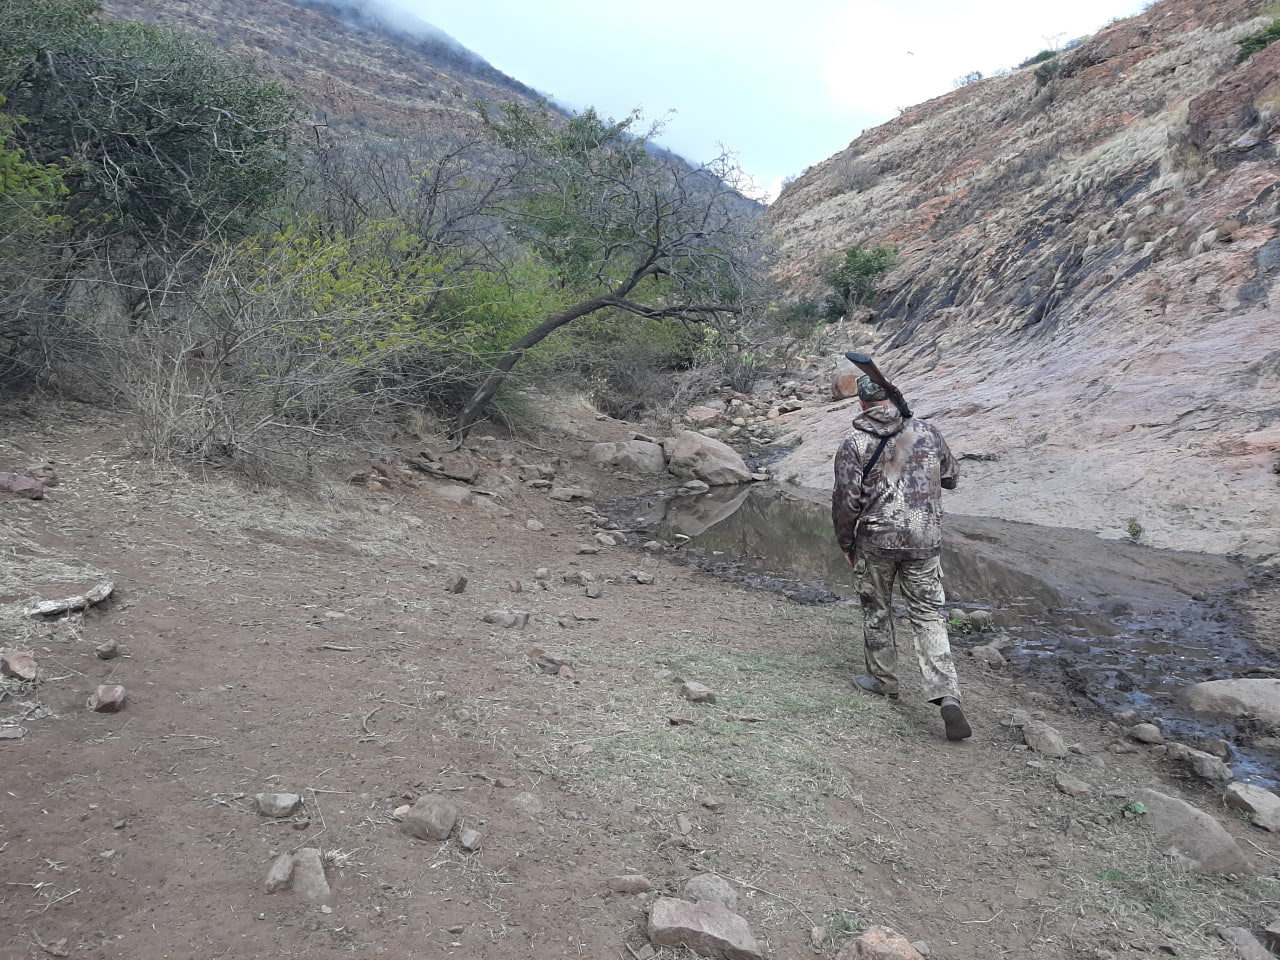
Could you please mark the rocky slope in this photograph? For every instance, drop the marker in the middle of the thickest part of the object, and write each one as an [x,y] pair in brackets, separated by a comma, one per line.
[1085,299]
[356,72]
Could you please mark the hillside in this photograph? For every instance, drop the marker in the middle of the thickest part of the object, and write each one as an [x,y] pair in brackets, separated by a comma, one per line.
[355,72]
[1086,295]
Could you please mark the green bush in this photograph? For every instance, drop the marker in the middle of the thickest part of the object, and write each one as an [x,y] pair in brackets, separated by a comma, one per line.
[1258,41]
[1040,57]
[158,133]
[1047,71]
[853,277]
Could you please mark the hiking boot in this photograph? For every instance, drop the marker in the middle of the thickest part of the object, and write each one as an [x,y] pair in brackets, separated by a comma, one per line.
[872,685]
[953,719]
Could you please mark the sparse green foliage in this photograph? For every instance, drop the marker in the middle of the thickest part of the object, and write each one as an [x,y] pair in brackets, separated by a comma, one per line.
[1256,42]
[1040,57]
[853,277]
[968,78]
[1047,71]
[1133,809]
[619,231]
[1134,528]
[960,625]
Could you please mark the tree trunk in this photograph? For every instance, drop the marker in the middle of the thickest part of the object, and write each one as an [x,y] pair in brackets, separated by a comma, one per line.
[472,409]
[475,406]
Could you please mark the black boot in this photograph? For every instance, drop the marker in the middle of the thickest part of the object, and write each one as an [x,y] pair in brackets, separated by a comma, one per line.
[953,719]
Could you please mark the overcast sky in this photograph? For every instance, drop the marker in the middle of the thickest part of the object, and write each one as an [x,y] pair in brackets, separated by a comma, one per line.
[783,85]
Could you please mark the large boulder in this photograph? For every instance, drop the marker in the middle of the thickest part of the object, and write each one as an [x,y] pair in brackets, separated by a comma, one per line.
[1198,841]
[844,379]
[695,457]
[635,456]
[1261,698]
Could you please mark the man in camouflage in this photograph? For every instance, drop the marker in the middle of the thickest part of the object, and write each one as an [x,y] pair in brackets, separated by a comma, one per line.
[887,513]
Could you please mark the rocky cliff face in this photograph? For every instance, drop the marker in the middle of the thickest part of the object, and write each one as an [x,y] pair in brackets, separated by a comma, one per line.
[1086,300]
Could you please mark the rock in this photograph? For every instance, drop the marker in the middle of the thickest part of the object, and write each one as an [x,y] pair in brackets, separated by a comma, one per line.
[697,693]
[107,651]
[1246,944]
[879,943]
[1238,697]
[19,665]
[1146,733]
[108,698]
[507,619]
[990,655]
[25,487]
[1223,113]
[281,873]
[704,416]
[706,928]
[983,620]
[605,540]
[569,494]
[457,465]
[595,589]
[1194,837]
[844,379]
[49,608]
[1042,738]
[277,804]
[46,473]
[695,457]
[1217,748]
[309,881]
[642,576]
[1271,935]
[456,584]
[1208,767]
[534,525]
[632,456]
[713,887]
[12,733]
[527,803]
[1073,787]
[631,883]
[431,818]
[469,840]
[452,493]
[1262,805]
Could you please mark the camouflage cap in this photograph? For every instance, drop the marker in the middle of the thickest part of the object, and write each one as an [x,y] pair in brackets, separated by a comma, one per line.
[871,392]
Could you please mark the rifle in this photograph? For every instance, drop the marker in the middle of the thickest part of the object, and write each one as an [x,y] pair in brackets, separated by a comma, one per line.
[868,366]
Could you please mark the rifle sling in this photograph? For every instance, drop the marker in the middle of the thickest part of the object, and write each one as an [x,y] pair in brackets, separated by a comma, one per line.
[862,490]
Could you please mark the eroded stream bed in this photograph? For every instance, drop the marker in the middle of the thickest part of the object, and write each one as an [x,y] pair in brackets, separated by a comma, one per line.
[1107,625]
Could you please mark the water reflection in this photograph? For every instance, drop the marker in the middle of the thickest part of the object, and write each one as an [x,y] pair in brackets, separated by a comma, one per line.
[1106,624]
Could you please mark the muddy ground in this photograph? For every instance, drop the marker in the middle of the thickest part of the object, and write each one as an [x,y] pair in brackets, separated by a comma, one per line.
[307,643]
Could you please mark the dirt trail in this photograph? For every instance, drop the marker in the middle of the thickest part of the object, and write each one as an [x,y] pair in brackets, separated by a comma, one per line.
[279,643]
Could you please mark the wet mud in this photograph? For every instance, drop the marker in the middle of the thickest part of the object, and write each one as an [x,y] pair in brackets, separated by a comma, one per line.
[1108,626]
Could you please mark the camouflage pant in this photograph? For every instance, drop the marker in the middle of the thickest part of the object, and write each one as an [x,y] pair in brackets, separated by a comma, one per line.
[920,583]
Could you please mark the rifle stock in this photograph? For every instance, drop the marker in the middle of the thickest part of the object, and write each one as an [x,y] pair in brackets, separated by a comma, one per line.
[868,366]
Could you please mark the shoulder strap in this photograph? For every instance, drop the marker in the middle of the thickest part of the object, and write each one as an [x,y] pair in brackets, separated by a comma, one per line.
[874,457]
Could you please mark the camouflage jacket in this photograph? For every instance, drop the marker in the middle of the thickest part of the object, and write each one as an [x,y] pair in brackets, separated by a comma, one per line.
[900,515]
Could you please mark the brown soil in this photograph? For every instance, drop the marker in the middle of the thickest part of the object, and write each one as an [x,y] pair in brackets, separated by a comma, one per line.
[307,644]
